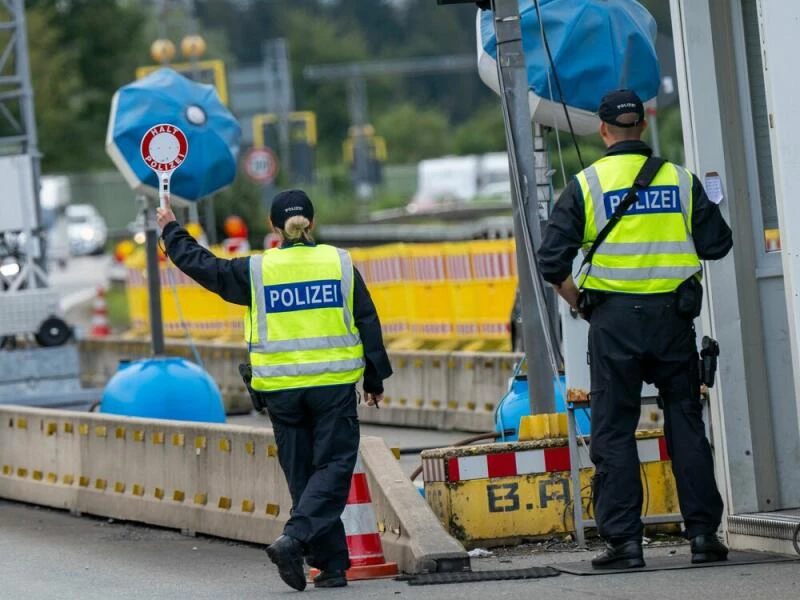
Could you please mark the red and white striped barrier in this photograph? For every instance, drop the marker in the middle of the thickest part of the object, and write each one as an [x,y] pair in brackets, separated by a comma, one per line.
[523,462]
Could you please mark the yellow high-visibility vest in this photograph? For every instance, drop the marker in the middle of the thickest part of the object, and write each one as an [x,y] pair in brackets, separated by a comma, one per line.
[300,327]
[651,250]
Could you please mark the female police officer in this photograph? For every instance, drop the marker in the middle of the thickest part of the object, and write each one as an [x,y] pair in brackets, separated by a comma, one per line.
[312,331]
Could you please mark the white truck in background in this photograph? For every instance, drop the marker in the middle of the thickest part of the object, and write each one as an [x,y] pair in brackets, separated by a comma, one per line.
[54,197]
[453,180]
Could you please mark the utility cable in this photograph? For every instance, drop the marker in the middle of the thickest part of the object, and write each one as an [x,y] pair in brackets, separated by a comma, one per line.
[558,82]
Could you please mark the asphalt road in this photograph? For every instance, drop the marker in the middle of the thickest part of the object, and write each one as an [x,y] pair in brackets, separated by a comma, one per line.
[51,555]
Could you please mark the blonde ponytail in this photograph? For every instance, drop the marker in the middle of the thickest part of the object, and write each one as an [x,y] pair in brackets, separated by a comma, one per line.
[296,229]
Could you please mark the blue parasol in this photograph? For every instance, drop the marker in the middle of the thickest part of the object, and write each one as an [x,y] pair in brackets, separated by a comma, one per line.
[166,96]
[597,46]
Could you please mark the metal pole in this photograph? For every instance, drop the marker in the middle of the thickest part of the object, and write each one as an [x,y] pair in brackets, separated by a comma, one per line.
[357,107]
[211,221]
[153,276]
[279,96]
[29,120]
[652,119]
[519,137]
[544,196]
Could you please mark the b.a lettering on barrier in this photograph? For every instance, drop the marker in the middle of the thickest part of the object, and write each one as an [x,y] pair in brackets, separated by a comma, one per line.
[305,295]
[506,497]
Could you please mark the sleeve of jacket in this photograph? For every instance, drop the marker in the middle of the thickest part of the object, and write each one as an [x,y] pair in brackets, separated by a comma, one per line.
[563,236]
[377,366]
[230,279]
[712,236]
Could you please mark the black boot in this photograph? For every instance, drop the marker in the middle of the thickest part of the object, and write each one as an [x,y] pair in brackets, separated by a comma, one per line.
[624,555]
[287,554]
[330,579]
[707,548]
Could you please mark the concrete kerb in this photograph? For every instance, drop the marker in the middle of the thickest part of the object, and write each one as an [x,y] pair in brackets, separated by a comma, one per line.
[412,533]
[221,480]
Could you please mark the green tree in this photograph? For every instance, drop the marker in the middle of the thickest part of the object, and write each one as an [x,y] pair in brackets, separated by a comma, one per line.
[58,100]
[81,52]
[483,132]
[413,134]
[314,39]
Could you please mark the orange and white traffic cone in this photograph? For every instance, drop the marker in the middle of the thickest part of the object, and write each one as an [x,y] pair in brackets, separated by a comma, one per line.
[363,539]
[100,325]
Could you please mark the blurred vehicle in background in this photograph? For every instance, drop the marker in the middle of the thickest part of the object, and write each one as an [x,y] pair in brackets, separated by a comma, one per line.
[87,230]
[54,197]
[461,180]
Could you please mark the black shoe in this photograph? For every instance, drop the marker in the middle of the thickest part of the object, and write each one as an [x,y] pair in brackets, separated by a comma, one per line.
[625,555]
[287,554]
[330,579]
[707,548]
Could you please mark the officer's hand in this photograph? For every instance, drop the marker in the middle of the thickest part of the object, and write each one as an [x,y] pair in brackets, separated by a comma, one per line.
[165,215]
[374,399]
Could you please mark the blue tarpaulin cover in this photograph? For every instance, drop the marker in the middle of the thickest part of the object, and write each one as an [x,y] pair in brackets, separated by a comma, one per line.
[597,46]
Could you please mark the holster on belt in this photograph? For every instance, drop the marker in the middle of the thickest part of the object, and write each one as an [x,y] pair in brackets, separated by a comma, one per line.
[708,361]
[588,300]
[689,298]
[246,371]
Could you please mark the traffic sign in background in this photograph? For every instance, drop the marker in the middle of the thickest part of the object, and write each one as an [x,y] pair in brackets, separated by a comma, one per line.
[261,165]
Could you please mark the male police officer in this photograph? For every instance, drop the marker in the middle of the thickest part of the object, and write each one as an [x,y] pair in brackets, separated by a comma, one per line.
[640,291]
[312,331]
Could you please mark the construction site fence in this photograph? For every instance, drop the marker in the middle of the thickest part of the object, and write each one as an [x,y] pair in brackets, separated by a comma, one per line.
[429,296]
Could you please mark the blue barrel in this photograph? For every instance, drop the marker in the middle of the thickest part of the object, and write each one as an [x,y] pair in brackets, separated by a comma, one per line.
[516,404]
[163,388]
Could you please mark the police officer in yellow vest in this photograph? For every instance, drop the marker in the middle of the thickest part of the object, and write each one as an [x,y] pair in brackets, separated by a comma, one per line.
[312,332]
[640,291]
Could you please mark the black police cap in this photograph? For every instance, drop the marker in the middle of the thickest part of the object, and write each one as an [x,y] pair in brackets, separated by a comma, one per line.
[618,103]
[290,203]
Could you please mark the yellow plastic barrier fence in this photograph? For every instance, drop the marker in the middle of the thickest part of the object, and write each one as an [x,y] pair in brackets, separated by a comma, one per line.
[185,306]
[494,269]
[453,293]
[432,314]
[387,271]
[465,298]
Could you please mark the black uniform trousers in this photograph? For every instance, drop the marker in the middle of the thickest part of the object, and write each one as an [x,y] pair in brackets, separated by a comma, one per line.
[635,338]
[317,433]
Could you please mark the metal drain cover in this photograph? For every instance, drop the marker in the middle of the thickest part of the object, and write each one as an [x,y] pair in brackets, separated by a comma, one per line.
[470,576]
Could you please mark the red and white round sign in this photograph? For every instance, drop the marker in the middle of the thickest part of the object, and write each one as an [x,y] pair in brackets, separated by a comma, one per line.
[164,147]
[261,165]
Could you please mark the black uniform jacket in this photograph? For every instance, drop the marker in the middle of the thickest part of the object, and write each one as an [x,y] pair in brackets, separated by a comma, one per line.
[564,235]
[230,279]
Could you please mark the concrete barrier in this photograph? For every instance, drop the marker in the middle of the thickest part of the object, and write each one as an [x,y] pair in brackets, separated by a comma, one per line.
[434,390]
[221,480]
[505,493]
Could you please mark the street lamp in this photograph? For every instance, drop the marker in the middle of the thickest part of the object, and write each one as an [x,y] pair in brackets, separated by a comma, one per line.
[162,51]
[193,47]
